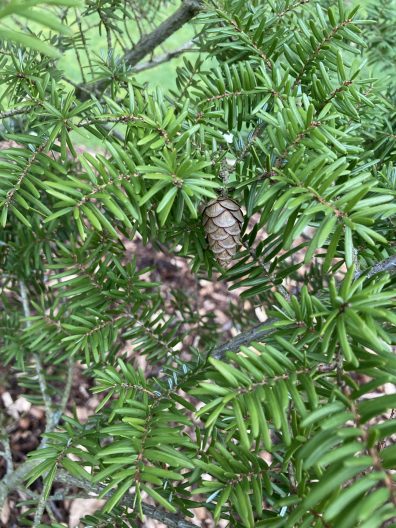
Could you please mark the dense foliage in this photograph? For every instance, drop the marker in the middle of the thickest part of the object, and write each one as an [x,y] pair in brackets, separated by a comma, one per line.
[289,110]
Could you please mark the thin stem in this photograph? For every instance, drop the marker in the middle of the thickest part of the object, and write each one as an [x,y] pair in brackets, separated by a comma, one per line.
[14,112]
[52,418]
[84,41]
[250,142]
[15,478]
[68,385]
[38,514]
[355,258]
[107,29]
[10,194]
[291,8]
[37,360]
[7,454]
[244,338]
[156,61]
[372,450]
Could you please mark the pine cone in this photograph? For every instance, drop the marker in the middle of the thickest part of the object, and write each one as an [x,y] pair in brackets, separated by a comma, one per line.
[222,220]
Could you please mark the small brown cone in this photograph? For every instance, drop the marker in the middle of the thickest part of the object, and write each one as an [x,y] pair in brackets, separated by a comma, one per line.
[222,220]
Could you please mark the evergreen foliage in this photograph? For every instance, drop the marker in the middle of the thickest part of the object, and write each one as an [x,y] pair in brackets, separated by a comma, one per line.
[282,111]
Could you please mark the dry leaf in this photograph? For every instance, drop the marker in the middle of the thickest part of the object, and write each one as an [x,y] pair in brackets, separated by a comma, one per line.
[5,513]
[81,507]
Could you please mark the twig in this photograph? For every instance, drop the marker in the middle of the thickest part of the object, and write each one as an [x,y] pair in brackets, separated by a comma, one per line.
[10,194]
[53,512]
[291,8]
[76,85]
[50,417]
[57,414]
[7,454]
[14,479]
[388,265]
[68,385]
[37,360]
[109,128]
[16,111]
[355,258]
[38,514]
[187,10]
[244,338]
[156,61]
[103,20]
[171,520]
[254,135]
[247,40]
[84,41]
[372,449]
[319,48]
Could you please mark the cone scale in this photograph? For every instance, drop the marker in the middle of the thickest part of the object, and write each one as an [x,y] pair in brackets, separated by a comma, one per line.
[222,220]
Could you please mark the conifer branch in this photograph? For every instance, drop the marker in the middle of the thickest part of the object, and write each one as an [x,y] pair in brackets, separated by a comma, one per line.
[68,385]
[171,520]
[11,193]
[335,92]
[291,8]
[69,222]
[13,478]
[187,10]
[315,54]
[267,328]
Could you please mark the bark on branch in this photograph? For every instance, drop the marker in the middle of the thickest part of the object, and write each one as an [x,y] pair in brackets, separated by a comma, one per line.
[387,265]
[244,338]
[187,10]
[11,481]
